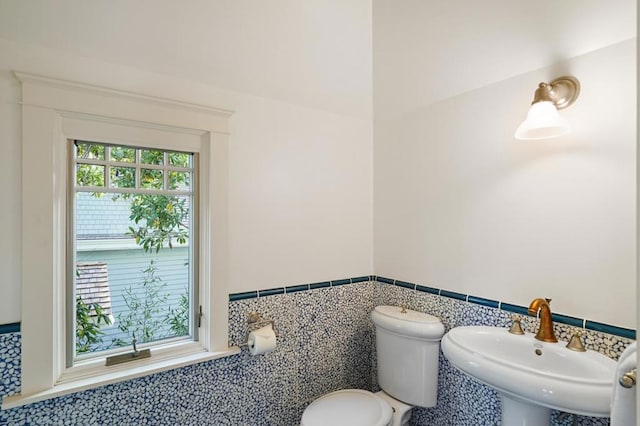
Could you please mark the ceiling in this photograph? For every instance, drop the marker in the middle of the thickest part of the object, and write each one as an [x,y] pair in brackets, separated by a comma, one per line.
[319,52]
[457,46]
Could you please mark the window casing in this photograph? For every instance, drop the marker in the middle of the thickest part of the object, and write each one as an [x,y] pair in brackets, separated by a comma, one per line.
[54,112]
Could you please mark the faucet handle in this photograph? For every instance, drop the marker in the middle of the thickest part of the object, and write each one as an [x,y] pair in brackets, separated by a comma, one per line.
[575,344]
[516,327]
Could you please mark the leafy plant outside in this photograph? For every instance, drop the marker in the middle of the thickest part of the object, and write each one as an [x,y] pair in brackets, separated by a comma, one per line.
[88,322]
[141,321]
[178,319]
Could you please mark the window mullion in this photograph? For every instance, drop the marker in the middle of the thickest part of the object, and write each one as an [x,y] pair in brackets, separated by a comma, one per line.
[138,174]
[165,173]
[107,167]
[142,191]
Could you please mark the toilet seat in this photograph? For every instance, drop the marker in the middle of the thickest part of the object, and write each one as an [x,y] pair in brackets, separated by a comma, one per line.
[350,407]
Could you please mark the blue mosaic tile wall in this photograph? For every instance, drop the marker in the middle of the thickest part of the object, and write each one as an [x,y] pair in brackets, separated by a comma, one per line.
[326,342]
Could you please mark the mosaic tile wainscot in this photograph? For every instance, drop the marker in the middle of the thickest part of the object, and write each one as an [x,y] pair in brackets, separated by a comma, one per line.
[326,342]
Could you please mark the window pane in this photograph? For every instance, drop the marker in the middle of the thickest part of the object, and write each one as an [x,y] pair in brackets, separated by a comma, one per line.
[179,180]
[91,151]
[152,157]
[89,175]
[179,159]
[122,154]
[143,295]
[132,276]
[151,178]
[122,177]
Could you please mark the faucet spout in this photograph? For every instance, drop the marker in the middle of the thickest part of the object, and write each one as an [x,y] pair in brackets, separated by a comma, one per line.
[545,332]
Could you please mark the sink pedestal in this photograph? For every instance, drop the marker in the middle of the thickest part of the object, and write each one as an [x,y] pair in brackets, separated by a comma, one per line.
[519,413]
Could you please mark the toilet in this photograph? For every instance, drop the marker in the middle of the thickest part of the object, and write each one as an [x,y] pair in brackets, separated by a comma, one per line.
[408,348]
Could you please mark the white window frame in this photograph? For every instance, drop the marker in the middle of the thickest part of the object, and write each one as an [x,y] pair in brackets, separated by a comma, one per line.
[54,112]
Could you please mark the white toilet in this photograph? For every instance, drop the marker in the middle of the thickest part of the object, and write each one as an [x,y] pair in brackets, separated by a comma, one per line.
[408,348]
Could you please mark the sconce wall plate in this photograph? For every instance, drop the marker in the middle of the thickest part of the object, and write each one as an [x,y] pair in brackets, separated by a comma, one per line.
[563,91]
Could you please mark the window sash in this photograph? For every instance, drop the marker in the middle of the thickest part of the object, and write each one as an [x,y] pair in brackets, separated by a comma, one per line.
[73,358]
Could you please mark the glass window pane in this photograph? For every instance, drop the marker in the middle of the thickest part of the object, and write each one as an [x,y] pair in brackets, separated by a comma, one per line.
[89,175]
[180,180]
[89,151]
[179,159]
[139,289]
[122,177]
[152,157]
[151,179]
[122,154]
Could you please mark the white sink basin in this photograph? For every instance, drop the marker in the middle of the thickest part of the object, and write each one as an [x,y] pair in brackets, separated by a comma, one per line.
[531,375]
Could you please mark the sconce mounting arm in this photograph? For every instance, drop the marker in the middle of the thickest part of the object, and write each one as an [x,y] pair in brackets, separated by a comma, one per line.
[562,92]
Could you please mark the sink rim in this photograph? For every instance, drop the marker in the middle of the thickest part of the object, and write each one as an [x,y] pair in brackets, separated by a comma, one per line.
[589,397]
[589,354]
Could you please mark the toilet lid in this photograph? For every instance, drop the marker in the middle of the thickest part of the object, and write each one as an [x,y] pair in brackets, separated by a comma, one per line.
[351,407]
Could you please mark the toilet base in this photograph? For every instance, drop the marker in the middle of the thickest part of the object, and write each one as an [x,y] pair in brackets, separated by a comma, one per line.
[401,411]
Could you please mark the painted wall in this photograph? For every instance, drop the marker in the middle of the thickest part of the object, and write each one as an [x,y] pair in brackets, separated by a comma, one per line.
[460,204]
[300,178]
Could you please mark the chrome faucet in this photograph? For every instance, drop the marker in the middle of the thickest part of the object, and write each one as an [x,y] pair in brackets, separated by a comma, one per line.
[545,332]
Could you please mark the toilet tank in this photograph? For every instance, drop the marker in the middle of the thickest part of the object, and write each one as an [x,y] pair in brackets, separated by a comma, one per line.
[408,350]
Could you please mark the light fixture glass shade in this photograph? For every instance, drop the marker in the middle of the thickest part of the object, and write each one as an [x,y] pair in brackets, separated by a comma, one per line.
[543,121]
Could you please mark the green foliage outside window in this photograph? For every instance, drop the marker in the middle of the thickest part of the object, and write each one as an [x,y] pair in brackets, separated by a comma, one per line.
[159,219]
[143,321]
[178,318]
[89,318]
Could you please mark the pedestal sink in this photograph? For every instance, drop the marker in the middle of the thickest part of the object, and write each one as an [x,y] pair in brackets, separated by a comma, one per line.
[532,377]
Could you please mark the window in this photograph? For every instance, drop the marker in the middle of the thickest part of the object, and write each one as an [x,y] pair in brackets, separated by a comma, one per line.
[135,132]
[133,237]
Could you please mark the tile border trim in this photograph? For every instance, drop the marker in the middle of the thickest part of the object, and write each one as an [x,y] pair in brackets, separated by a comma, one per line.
[233,297]
[13,327]
[521,310]
[469,298]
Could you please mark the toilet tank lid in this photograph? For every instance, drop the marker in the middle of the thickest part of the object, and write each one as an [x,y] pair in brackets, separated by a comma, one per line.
[410,323]
[349,407]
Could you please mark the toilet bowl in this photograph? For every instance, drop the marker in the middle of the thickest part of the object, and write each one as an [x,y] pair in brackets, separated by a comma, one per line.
[408,348]
[353,407]
[356,407]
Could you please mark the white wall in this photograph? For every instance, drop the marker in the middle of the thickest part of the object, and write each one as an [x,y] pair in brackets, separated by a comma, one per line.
[460,204]
[300,179]
[312,53]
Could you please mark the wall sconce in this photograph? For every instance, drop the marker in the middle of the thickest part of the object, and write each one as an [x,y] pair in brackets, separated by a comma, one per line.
[543,120]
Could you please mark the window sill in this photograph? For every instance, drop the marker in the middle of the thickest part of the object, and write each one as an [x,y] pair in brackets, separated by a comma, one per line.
[133,372]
